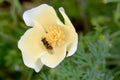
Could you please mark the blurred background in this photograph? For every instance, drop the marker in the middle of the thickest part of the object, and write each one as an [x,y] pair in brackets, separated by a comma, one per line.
[98,25]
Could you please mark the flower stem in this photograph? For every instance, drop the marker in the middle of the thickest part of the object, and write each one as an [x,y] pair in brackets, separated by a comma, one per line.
[30,75]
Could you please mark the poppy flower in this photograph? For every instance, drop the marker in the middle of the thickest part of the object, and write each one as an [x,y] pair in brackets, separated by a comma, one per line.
[48,41]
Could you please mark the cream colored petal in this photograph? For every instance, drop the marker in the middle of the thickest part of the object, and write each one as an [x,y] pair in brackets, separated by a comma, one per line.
[59,22]
[71,35]
[43,14]
[73,47]
[66,19]
[32,48]
[71,39]
[53,58]
[38,65]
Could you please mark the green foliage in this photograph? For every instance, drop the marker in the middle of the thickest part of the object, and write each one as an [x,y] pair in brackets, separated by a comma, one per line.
[89,62]
[107,1]
[117,14]
[1,1]
[97,56]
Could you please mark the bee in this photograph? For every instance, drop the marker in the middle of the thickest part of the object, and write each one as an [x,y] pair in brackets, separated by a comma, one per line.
[46,44]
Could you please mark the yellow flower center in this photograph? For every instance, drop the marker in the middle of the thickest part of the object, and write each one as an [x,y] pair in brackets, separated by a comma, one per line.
[55,36]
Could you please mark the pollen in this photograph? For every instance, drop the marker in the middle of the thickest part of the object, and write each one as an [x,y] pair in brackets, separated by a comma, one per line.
[55,36]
